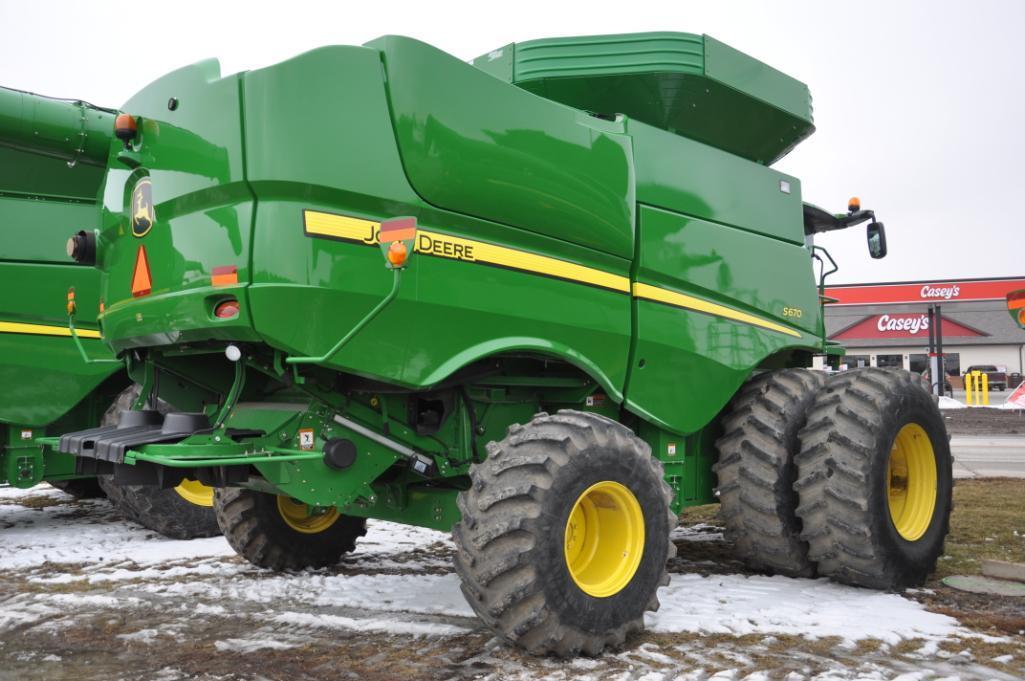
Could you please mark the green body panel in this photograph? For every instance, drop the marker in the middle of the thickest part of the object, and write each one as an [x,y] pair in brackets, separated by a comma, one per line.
[563,261]
[479,147]
[694,362]
[52,158]
[684,176]
[688,84]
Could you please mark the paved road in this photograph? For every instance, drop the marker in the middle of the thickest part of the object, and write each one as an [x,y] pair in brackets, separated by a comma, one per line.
[981,456]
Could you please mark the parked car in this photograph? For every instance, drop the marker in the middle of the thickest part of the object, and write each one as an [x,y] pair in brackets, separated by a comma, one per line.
[997,378]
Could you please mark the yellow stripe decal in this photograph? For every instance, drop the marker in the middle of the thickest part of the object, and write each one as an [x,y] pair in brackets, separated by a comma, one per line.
[444,246]
[661,295]
[467,250]
[45,330]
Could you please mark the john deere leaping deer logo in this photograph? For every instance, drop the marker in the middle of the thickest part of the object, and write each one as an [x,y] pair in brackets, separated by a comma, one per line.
[143,215]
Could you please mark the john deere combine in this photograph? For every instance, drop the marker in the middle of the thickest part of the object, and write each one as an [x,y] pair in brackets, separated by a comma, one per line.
[542,300]
[53,158]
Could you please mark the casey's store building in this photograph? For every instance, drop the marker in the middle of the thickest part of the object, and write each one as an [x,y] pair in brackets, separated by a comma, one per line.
[887,325]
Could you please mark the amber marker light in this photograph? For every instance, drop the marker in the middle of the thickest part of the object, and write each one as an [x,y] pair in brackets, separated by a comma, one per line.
[125,128]
[225,275]
[71,301]
[853,204]
[398,254]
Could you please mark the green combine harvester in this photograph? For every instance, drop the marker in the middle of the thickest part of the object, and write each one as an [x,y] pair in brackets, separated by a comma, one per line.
[545,300]
[53,161]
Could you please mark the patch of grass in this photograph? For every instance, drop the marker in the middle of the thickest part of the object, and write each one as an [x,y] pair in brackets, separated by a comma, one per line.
[692,515]
[986,516]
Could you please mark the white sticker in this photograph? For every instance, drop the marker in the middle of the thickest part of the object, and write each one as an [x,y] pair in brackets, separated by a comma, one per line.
[784,186]
[305,439]
[26,435]
[671,449]
[589,401]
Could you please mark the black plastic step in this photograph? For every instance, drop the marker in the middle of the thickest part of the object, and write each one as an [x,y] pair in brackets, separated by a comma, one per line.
[134,428]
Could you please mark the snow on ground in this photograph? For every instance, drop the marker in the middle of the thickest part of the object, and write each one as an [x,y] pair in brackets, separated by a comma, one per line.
[950,403]
[76,559]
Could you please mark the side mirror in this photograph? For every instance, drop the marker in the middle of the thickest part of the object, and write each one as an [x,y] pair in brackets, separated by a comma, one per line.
[877,240]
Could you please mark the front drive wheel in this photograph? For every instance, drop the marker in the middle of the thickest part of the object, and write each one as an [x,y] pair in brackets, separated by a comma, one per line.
[564,535]
[875,480]
[281,533]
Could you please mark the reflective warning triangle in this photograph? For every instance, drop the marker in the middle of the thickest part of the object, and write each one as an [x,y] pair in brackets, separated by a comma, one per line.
[141,282]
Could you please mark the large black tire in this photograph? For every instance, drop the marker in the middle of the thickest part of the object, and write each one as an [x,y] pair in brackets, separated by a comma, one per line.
[756,470]
[162,510]
[845,479]
[513,554]
[80,488]
[255,526]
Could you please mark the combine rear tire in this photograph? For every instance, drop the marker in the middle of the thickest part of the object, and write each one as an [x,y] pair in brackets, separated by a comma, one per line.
[874,480]
[184,512]
[564,535]
[281,533]
[756,470]
[80,488]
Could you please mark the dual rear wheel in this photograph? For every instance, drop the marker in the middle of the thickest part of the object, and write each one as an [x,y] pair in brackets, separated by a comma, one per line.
[848,478]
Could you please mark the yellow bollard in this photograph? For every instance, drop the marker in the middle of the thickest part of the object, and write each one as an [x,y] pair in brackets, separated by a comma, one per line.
[968,388]
[985,388]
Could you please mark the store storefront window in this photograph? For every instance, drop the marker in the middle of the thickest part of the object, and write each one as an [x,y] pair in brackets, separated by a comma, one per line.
[855,361]
[952,363]
[892,361]
[918,363]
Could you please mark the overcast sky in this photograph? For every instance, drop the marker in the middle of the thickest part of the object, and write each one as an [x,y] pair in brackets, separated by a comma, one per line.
[920,106]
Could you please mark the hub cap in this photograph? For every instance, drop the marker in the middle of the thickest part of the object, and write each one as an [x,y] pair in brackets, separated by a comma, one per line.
[604,539]
[196,493]
[911,482]
[306,519]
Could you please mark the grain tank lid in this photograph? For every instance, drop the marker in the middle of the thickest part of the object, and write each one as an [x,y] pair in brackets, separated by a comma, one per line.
[691,85]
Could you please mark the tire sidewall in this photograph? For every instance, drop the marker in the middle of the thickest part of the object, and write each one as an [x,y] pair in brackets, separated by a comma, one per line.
[324,546]
[588,467]
[913,559]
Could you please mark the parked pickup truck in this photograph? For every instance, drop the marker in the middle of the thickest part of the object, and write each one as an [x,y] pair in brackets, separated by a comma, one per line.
[997,378]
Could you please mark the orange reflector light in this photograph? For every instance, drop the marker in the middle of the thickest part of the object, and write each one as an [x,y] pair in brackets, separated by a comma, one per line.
[226,275]
[397,254]
[71,301]
[226,309]
[853,204]
[1021,316]
[399,229]
[141,282]
[102,307]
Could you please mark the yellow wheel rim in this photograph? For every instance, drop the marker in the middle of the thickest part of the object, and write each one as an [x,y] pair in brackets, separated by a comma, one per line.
[604,539]
[306,519]
[911,482]
[196,493]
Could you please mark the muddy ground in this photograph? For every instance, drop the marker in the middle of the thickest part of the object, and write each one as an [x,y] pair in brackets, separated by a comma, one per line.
[83,597]
[985,421]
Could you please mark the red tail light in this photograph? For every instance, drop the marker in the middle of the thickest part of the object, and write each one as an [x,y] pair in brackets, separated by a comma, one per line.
[226,309]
